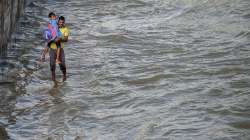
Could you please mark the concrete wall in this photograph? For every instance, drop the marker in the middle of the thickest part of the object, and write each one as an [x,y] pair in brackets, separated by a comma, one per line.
[10,10]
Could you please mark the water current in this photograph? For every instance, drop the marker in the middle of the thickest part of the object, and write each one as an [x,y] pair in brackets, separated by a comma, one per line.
[137,70]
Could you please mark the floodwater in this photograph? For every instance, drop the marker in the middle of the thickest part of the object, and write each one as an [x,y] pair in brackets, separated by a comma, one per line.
[137,70]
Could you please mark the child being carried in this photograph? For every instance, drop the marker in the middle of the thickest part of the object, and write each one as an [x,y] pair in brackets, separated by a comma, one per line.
[52,34]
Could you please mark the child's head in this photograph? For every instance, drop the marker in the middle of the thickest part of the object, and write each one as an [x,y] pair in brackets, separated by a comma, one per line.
[52,15]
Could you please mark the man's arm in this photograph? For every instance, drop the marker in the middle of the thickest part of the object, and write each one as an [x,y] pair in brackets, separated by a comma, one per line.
[64,39]
[65,35]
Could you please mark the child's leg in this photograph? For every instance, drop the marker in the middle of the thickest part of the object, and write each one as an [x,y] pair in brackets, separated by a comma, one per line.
[44,52]
[58,53]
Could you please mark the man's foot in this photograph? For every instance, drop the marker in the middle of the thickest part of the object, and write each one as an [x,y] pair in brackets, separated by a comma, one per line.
[64,78]
[53,79]
[64,75]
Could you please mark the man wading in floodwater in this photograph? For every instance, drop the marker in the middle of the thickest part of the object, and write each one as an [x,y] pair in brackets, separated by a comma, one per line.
[53,50]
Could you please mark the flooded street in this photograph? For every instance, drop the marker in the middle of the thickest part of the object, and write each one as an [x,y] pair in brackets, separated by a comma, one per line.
[137,70]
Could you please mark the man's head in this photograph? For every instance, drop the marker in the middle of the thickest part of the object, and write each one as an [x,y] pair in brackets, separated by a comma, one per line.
[52,15]
[61,21]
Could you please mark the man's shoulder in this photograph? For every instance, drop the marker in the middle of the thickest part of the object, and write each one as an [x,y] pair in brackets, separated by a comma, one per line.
[65,27]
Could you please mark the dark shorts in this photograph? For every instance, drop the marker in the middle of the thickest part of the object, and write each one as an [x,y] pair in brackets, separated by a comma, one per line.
[52,55]
[58,45]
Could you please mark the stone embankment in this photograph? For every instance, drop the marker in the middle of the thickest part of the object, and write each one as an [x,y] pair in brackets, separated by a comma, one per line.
[10,11]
